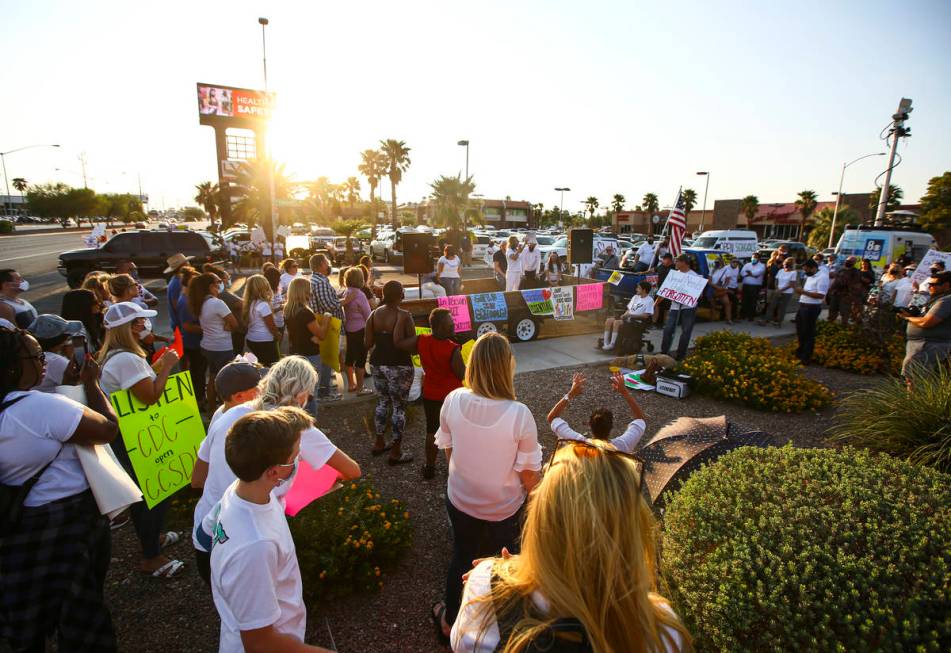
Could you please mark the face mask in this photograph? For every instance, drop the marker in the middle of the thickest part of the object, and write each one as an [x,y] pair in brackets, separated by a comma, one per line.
[809,274]
[221,286]
[134,274]
[282,481]
[146,330]
[24,285]
[908,273]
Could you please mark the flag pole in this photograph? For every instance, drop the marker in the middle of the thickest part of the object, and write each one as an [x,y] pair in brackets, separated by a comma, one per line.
[663,232]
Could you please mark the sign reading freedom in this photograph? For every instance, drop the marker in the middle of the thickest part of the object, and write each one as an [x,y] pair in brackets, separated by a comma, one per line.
[162,439]
[683,288]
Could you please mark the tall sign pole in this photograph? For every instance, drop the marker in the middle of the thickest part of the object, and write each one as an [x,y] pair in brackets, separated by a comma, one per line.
[270,161]
[897,131]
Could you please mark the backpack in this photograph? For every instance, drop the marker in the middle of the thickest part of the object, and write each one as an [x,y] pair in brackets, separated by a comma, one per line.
[561,636]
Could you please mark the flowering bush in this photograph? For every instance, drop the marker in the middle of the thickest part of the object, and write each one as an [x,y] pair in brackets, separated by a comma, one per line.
[852,349]
[811,550]
[738,367]
[346,539]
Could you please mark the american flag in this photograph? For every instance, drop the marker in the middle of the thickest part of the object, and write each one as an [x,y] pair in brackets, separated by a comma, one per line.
[677,225]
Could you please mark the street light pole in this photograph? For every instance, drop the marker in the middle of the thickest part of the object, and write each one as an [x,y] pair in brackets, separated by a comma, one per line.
[561,205]
[838,197]
[264,23]
[703,214]
[6,179]
[898,130]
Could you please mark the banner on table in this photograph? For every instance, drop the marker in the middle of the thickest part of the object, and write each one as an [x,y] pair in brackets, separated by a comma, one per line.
[683,288]
[589,297]
[538,301]
[330,345]
[419,332]
[489,307]
[615,278]
[162,439]
[563,300]
[922,272]
[459,307]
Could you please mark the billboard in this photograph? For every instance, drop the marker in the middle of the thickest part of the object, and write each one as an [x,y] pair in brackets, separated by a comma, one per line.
[230,105]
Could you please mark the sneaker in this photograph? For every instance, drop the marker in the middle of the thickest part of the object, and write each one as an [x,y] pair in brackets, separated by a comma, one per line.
[333,396]
[608,347]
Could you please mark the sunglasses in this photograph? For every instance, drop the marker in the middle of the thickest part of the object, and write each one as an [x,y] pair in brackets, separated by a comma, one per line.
[587,448]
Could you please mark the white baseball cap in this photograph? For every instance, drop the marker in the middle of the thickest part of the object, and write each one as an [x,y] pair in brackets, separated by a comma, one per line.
[123,312]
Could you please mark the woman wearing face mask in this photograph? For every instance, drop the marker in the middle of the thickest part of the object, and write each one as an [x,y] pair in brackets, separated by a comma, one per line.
[217,322]
[786,280]
[124,288]
[13,308]
[125,367]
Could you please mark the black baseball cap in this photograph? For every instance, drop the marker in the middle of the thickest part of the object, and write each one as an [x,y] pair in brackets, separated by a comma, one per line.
[238,376]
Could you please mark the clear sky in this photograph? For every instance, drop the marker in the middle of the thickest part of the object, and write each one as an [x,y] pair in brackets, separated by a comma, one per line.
[604,97]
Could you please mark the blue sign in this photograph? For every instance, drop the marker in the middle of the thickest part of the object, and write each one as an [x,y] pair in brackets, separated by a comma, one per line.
[873,249]
[489,307]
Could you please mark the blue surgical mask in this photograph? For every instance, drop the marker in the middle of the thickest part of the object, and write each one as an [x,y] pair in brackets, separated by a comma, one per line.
[221,286]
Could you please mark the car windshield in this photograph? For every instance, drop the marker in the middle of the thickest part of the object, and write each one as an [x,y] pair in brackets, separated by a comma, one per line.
[705,243]
[545,240]
[561,242]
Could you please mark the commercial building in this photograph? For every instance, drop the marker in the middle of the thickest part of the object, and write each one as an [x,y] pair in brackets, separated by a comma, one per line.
[501,214]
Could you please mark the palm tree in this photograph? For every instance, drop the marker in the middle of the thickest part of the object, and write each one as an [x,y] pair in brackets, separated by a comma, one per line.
[373,167]
[352,186]
[208,196]
[617,203]
[20,184]
[590,205]
[895,194]
[397,162]
[651,206]
[451,196]
[807,206]
[749,206]
[822,223]
[689,197]
[253,191]
[348,228]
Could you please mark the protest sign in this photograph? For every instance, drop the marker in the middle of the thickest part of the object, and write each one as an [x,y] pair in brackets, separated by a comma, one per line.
[309,484]
[683,288]
[420,331]
[538,301]
[589,297]
[489,307]
[922,272]
[459,307]
[162,439]
[330,345]
[467,350]
[562,299]
[615,278]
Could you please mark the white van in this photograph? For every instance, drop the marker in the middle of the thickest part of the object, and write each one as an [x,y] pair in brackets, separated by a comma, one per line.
[883,245]
[740,243]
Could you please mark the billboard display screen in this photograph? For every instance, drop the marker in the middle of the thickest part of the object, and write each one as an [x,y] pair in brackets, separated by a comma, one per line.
[227,103]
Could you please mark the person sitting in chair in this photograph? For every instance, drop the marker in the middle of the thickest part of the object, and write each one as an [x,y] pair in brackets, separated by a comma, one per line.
[638,316]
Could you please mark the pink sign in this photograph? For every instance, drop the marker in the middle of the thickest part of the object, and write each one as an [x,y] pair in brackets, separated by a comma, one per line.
[458,305]
[589,297]
[309,484]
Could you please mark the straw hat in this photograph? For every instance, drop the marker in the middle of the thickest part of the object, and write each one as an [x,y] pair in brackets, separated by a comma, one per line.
[176,261]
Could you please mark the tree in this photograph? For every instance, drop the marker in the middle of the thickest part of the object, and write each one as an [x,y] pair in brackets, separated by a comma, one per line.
[348,228]
[749,206]
[208,196]
[806,204]
[451,197]
[397,162]
[590,205]
[689,197]
[651,206]
[822,224]
[617,203]
[352,188]
[936,209]
[253,192]
[193,214]
[895,195]
[118,205]
[373,167]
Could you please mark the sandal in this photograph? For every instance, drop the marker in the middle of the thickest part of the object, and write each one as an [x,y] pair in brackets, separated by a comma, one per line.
[380,452]
[168,570]
[170,539]
[404,458]
[437,613]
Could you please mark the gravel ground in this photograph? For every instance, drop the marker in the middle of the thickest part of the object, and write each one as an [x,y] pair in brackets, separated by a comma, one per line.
[179,615]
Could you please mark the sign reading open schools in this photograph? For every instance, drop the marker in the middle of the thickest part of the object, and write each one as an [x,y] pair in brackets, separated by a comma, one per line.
[682,288]
[489,307]
[162,439]
[228,104]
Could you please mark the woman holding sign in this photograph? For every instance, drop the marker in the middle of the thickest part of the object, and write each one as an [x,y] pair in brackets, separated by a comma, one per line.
[125,367]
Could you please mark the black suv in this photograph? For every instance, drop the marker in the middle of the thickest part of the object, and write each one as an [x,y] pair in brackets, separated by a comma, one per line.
[149,250]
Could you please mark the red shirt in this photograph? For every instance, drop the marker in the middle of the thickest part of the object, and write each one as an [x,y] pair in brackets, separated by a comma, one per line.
[438,378]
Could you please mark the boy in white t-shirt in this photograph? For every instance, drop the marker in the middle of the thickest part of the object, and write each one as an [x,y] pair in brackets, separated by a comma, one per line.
[255,578]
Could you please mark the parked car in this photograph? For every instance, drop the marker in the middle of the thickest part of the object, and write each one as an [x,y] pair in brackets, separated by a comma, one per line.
[796,249]
[560,246]
[382,247]
[149,250]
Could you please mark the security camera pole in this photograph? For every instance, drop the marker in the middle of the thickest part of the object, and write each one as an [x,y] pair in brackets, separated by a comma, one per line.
[897,131]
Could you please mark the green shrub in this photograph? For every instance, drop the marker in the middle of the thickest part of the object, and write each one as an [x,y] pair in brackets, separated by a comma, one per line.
[6,227]
[811,550]
[738,367]
[859,348]
[346,539]
[912,425]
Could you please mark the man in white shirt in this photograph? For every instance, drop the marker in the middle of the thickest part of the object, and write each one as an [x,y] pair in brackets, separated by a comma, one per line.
[602,420]
[255,578]
[513,255]
[680,314]
[811,294]
[751,276]
[531,263]
[645,255]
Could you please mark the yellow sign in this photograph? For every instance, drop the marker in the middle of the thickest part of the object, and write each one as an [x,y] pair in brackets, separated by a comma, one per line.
[162,439]
[419,332]
[330,345]
[467,350]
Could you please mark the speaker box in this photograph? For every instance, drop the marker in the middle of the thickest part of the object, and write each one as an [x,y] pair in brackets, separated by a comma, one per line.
[580,246]
[417,257]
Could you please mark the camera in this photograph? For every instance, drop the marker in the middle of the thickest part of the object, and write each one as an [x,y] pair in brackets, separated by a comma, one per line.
[914,311]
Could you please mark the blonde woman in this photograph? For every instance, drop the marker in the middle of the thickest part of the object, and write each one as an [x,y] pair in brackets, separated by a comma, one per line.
[491,443]
[304,329]
[586,571]
[257,315]
[96,282]
[124,288]
[125,367]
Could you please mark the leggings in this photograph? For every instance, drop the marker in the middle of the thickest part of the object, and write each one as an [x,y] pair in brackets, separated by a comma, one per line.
[393,383]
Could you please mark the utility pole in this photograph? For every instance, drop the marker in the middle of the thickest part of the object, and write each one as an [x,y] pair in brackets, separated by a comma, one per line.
[264,23]
[896,131]
[82,163]
[703,214]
